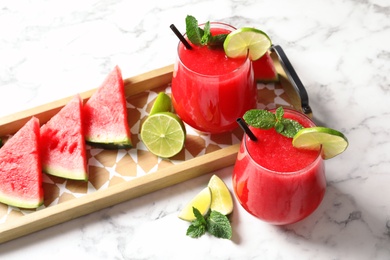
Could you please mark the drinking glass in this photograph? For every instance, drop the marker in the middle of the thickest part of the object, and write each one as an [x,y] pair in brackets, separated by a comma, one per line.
[209,90]
[278,197]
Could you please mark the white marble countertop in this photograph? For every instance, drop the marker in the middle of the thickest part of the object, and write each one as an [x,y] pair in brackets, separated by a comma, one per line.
[340,49]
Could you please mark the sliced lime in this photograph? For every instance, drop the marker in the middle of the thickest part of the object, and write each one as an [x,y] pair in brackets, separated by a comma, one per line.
[162,103]
[247,41]
[221,199]
[332,141]
[163,134]
[201,202]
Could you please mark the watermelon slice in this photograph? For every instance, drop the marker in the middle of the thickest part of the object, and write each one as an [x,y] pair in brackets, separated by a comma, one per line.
[264,69]
[63,150]
[105,114]
[20,168]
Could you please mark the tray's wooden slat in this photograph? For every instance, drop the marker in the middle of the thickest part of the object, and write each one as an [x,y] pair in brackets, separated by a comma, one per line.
[118,193]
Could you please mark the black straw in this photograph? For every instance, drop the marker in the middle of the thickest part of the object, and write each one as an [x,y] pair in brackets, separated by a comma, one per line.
[180,36]
[246,129]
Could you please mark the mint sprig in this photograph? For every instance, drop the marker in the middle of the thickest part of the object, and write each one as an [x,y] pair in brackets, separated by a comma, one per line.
[266,120]
[202,37]
[215,223]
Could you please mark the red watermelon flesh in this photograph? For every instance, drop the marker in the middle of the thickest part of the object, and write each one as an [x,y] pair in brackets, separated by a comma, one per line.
[264,69]
[63,149]
[20,168]
[105,113]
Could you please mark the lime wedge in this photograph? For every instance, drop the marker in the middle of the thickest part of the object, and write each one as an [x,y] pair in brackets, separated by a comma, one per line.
[332,141]
[163,134]
[201,202]
[247,41]
[221,199]
[162,103]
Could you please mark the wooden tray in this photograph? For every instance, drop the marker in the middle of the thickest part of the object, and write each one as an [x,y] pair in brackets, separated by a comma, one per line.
[120,175]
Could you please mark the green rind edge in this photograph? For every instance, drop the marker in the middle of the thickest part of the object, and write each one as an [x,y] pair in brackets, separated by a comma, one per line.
[64,173]
[110,145]
[19,202]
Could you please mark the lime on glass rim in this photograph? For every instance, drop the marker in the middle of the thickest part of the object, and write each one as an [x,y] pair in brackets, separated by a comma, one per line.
[332,141]
[163,134]
[247,41]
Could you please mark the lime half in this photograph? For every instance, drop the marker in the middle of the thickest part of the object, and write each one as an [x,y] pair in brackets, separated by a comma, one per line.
[332,141]
[163,134]
[162,103]
[221,199]
[201,202]
[247,41]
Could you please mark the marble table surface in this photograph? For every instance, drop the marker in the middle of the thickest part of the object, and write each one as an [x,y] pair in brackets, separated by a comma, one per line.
[340,49]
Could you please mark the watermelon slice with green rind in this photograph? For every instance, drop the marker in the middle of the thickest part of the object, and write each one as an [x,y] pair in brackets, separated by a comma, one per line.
[20,168]
[105,114]
[63,149]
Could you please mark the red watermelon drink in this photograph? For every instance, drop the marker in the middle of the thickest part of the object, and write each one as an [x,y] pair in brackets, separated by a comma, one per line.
[275,181]
[209,90]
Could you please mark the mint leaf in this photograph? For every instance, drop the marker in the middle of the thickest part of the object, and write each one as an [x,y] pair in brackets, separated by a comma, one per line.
[194,33]
[217,41]
[198,226]
[195,231]
[218,225]
[284,126]
[260,118]
[202,37]
[279,113]
[199,216]
[279,126]
[206,34]
[290,127]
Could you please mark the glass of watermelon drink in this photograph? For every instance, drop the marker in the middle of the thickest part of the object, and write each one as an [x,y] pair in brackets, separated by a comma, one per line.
[275,181]
[210,90]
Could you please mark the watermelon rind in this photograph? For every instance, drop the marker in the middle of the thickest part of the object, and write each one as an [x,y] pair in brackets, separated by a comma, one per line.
[111,146]
[66,173]
[18,202]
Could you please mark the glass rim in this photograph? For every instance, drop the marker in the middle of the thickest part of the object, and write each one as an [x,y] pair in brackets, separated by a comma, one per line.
[285,173]
[246,60]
